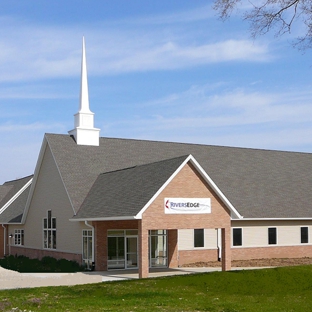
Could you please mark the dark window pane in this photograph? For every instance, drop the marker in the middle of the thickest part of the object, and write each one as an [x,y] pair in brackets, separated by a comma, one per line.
[199,238]
[304,235]
[237,237]
[272,236]
[53,223]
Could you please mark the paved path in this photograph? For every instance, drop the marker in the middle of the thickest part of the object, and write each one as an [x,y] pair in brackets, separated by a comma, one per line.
[11,279]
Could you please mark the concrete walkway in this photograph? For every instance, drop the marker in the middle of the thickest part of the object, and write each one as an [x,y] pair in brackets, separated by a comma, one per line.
[11,279]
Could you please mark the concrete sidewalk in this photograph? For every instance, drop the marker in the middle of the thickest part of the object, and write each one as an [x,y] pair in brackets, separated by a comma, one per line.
[11,279]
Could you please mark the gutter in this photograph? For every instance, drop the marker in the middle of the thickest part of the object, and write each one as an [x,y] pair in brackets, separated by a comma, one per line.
[4,239]
[272,219]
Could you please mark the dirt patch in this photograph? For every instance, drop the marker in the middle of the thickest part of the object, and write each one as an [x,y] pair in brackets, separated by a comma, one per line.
[256,263]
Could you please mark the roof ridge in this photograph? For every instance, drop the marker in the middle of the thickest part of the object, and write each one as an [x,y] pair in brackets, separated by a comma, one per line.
[197,144]
[147,164]
[19,179]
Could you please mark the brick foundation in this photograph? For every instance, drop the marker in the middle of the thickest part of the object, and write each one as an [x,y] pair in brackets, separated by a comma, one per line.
[39,254]
[201,255]
[271,252]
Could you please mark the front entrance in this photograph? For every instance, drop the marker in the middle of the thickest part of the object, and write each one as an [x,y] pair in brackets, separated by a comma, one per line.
[123,249]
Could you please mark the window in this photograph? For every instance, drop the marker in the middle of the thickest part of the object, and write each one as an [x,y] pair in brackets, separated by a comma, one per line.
[304,235]
[237,237]
[198,237]
[19,237]
[272,236]
[87,248]
[49,231]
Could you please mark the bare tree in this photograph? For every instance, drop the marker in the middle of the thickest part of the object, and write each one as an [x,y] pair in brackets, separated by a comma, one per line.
[276,15]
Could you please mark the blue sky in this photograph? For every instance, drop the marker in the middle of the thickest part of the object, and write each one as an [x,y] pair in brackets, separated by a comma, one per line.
[158,70]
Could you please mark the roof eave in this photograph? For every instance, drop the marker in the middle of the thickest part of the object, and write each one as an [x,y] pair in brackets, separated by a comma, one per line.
[105,218]
[271,219]
[206,177]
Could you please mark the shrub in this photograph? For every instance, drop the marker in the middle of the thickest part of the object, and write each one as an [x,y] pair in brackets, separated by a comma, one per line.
[46,264]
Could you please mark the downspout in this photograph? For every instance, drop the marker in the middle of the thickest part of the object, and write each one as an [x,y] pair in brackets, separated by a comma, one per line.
[219,243]
[4,238]
[92,227]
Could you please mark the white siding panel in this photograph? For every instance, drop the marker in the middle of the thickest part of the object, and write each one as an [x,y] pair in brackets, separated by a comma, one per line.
[255,236]
[186,239]
[50,194]
[288,235]
[211,238]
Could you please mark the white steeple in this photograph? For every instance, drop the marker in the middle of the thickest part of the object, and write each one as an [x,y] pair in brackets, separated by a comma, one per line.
[84,132]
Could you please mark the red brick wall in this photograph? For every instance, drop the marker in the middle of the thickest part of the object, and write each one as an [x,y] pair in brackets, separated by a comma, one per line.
[173,260]
[272,252]
[100,239]
[199,255]
[187,183]
[39,254]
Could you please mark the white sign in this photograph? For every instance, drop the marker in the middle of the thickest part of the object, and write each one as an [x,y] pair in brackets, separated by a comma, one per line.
[187,205]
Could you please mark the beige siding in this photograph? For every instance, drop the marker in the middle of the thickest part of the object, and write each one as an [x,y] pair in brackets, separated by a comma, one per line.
[255,236]
[186,239]
[255,233]
[50,194]
[210,238]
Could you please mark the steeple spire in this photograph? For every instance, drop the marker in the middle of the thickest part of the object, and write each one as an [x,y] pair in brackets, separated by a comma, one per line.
[84,132]
[84,92]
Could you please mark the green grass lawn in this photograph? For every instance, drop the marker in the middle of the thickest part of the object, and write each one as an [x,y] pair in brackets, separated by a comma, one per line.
[280,289]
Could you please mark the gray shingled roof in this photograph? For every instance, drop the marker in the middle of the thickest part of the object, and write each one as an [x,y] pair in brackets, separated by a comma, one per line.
[113,193]
[258,183]
[14,212]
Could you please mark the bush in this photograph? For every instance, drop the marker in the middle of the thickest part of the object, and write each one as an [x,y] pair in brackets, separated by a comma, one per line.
[46,264]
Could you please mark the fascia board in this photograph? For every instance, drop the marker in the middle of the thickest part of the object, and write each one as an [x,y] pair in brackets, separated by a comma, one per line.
[44,145]
[13,198]
[33,185]
[59,172]
[139,215]
[206,178]
[272,219]
[204,174]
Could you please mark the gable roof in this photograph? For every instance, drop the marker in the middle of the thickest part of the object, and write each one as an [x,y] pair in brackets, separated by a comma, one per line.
[113,193]
[13,198]
[258,183]
[126,193]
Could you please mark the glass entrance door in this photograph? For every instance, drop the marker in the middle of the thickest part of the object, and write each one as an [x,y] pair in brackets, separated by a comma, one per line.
[158,248]
[132,252]
[122,249]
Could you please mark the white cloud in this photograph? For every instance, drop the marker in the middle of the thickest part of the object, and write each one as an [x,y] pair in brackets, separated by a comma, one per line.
[236,118]
[29,52]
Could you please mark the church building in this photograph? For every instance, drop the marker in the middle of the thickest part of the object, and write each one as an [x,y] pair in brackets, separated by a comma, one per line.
[112,203]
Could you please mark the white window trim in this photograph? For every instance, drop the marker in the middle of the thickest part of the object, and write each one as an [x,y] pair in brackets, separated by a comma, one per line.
[232,243]
[305,226]
[273,227]
[49,229]
[20,233]
[203,247]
